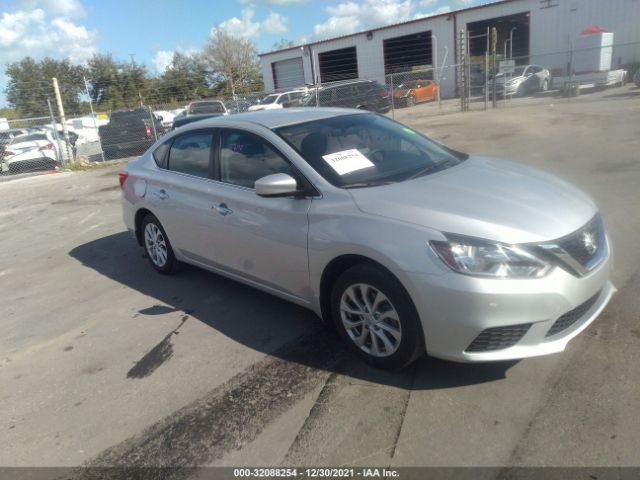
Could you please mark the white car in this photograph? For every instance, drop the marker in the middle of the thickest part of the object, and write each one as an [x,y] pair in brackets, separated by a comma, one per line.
[278,100]
[34,151]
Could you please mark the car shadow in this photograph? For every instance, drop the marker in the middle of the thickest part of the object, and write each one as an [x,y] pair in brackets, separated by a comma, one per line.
[254,318]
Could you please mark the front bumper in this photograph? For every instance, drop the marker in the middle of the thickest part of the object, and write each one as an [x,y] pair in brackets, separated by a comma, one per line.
[500,89]
[455,309]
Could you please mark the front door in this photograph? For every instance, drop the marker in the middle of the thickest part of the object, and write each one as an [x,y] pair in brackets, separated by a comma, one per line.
[262,239]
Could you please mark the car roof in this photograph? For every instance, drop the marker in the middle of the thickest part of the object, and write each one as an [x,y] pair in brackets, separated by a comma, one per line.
[281,117]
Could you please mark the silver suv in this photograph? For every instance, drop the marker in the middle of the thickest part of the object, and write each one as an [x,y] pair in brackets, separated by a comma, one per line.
[404,244]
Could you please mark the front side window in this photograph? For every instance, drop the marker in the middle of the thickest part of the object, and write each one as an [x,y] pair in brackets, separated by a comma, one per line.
[363,150]
[191,154]
[269,99]
[245,157]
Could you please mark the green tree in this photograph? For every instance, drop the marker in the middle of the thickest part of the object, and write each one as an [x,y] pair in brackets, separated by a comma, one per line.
[30,83]
[282,44]
[234,61]
[115,84]
[186,78]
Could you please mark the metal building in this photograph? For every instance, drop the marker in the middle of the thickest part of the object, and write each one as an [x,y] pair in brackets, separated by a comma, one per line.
[541,32]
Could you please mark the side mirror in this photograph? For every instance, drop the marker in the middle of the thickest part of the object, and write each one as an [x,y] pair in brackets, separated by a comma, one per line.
[276,185]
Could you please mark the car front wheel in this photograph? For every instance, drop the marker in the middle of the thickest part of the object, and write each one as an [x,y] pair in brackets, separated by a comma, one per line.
[157,246]
[375,316]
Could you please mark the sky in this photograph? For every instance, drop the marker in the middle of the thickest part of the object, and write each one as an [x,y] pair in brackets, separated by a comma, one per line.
[152,30]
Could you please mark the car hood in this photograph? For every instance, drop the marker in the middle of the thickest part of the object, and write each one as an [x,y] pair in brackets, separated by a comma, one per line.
[485,198]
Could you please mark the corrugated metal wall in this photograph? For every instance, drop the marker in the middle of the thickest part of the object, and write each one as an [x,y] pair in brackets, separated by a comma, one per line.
[553,24]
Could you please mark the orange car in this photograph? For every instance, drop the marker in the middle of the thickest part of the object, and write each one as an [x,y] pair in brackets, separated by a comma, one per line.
[413,91]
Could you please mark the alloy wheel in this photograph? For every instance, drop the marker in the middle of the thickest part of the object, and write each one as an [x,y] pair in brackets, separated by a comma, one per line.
[155,244]
[370,320]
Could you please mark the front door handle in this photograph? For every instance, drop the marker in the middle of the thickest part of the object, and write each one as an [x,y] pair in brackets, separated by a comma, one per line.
[222,209]
[162,194]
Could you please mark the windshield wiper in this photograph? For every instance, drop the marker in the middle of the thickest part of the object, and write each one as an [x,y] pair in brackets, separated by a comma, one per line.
[368,184]
[429,169]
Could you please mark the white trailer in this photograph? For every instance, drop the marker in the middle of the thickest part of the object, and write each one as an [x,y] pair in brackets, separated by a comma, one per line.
[576,82]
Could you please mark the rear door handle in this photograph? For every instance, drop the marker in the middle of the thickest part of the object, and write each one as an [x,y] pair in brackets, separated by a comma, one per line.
[222,209]
[162,194]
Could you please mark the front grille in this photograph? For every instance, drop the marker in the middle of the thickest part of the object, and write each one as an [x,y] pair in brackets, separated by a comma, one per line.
[576,244]
[572,316]
[498,338]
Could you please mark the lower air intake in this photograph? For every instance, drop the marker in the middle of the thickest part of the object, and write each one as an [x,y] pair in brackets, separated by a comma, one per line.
[572,316]
[498,338]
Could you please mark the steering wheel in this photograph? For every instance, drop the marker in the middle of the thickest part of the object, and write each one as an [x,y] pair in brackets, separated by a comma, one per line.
[374,152]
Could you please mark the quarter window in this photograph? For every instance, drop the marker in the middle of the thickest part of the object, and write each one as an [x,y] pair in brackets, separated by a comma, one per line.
[191,154]
[244,158]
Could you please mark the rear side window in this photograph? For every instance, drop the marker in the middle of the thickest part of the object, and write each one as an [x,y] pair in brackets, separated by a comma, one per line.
[191,154]
[34,137]
[160,154]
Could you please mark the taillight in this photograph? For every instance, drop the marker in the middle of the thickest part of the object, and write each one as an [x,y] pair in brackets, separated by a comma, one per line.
[122,176]
[148,131]
[8,153]
[48,146]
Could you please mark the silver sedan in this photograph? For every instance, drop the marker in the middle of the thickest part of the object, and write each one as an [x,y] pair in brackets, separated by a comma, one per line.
[402,243]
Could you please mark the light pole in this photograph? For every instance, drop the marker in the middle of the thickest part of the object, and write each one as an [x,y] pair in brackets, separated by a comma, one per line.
[434,61]
[511,43]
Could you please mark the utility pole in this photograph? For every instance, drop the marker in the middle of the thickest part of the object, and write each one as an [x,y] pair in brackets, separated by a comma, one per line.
[494,41]
[63,120]
[93,115]
[462,71]
[55,130]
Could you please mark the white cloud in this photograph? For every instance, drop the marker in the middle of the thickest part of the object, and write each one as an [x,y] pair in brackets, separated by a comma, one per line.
[273,2]
[64,8]
[162,59]
[428,3]
[350,17]
[246,27]
[38,34]
[275,23]
[438,11]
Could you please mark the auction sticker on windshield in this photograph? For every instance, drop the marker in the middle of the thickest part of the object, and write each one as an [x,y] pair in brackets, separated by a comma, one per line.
[347,161]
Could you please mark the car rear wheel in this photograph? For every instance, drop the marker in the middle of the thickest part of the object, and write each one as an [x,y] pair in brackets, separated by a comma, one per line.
[375,316]
[157,246]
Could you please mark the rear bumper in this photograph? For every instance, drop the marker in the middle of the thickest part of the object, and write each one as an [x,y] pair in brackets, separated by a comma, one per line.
[455,309]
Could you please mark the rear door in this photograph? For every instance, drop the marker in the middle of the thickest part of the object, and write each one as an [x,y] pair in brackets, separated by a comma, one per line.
[181,195]
[261,239]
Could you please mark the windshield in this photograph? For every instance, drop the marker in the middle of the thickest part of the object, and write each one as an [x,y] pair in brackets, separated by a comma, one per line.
[269,99]
[362,150]
[207,107]
[518,72]
[407,85]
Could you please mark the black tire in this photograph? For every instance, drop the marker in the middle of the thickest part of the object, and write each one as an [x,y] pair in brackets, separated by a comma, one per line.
[170,265]
[411,342]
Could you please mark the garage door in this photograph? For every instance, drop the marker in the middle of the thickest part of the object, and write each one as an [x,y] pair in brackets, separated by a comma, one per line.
[288,73]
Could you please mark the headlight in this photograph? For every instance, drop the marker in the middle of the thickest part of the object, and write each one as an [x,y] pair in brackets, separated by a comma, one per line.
[477,257]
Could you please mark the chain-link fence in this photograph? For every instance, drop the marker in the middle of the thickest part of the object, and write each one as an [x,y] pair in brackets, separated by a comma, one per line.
[487,74]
